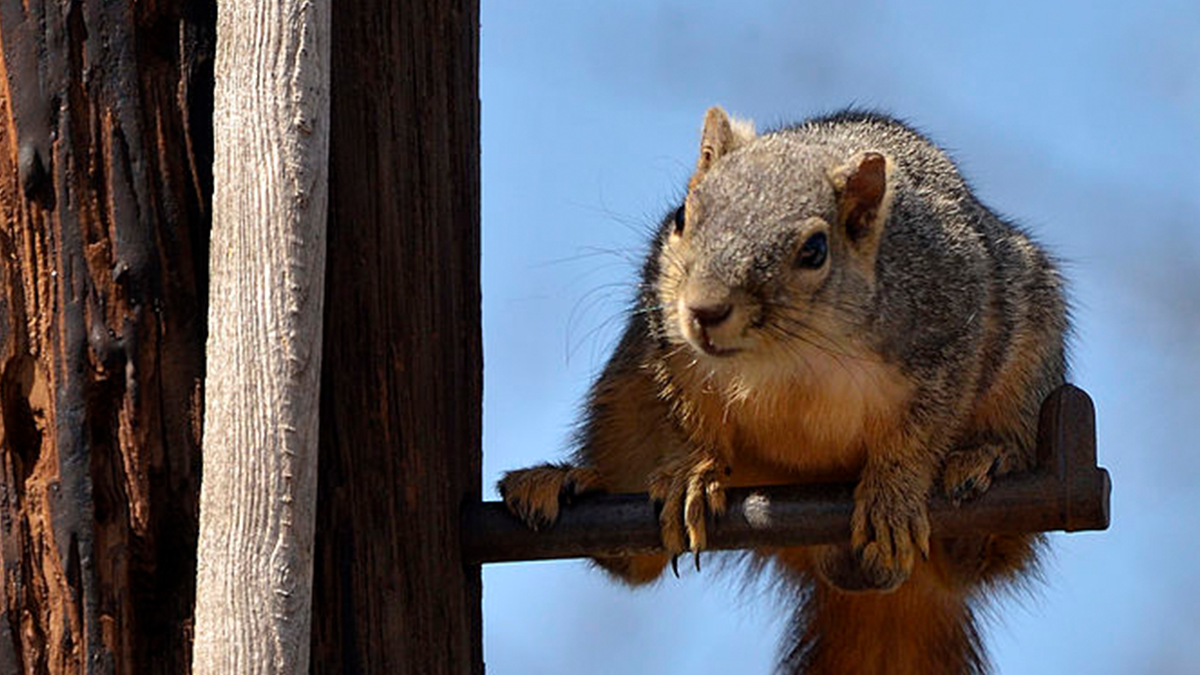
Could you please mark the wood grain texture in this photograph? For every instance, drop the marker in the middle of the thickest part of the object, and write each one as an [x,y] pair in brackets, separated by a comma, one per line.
[401,382]
[267,262]
[105,151]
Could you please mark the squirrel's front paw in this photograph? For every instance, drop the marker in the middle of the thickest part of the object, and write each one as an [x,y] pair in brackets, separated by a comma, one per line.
[534,494]
[889,527]
[688,490]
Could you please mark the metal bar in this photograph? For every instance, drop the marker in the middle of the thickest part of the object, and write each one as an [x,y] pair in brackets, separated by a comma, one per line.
[1067,492]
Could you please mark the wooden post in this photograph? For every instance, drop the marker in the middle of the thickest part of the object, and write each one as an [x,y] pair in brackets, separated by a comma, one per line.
[257,500]
[401,380]
[105,148]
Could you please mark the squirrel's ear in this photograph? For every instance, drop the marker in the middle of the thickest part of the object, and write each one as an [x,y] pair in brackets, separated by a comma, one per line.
[721,136]
[864,193]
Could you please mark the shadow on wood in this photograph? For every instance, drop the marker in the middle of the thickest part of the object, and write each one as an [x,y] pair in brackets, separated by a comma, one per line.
[1066,492]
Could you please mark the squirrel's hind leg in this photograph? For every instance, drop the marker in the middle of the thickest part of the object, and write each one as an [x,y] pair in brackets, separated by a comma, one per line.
[969,470]
[968,473]
[634,570]
[535,494]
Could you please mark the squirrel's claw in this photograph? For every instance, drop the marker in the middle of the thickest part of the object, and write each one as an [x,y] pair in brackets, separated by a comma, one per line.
[968,472]
[689,490]
[675,563]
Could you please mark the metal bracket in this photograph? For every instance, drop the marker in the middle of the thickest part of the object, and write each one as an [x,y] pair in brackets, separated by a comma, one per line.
[1066,492]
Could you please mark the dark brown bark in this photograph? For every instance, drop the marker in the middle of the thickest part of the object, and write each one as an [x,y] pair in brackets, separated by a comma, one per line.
[105,155]
[401,372]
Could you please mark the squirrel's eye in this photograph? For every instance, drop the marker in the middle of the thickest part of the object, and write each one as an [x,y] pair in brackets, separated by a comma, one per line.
[680,213]
[813,252]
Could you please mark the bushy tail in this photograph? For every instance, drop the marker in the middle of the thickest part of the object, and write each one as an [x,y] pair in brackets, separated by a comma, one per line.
[922,627]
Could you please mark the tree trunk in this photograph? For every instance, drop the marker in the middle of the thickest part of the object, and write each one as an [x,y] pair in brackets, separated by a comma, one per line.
[104,153]
[401,377]
[258,499]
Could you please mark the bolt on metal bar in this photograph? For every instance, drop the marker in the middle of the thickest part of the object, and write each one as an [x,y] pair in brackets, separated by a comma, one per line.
[1067,492]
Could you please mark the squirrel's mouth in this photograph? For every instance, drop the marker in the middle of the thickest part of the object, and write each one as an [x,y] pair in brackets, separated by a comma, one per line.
[701,341]
[709,348]
[714,328]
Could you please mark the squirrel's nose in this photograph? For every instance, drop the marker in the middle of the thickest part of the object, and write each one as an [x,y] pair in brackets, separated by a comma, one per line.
[709,316]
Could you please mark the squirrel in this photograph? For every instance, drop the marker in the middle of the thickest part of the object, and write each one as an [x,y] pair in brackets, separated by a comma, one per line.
[830,302]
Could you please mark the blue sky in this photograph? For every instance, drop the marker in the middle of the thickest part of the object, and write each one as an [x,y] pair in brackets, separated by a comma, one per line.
[1079,120]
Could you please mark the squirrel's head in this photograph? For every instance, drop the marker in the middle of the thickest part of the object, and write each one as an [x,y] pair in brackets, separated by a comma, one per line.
[773,251]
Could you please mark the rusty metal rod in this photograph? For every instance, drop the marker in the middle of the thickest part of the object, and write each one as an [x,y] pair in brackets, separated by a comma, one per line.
[1066,492]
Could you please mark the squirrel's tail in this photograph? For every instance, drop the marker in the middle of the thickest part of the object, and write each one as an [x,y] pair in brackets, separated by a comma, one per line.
[923,626]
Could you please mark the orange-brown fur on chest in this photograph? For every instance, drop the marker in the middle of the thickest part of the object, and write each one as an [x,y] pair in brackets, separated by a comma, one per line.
[806,424]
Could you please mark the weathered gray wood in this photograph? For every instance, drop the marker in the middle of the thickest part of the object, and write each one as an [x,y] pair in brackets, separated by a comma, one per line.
[271,126]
